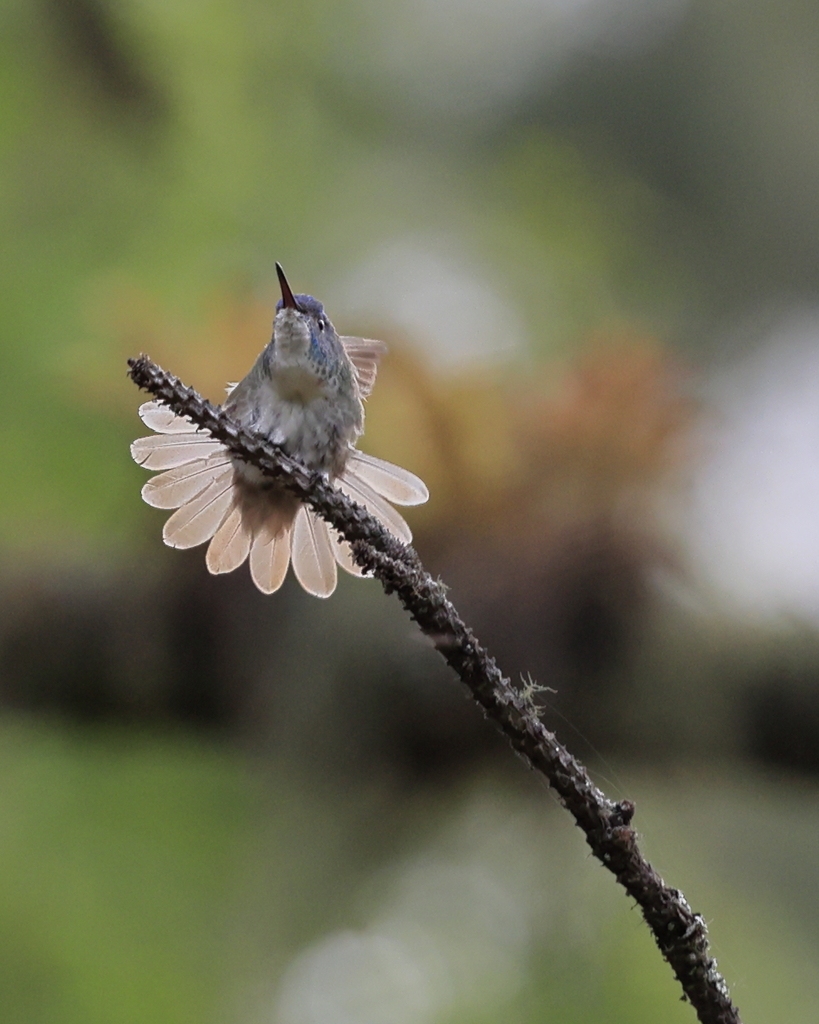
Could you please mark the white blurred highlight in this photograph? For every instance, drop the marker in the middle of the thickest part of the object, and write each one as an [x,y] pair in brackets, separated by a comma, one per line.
[440,299]
[450,935]
[354,978]
[753,526]
[463,59]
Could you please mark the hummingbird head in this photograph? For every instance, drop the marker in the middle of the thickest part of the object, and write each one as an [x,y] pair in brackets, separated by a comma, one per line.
[302,329]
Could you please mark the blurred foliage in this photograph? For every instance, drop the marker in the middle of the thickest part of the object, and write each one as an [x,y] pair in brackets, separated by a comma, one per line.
[154,162]
[115,856]
[528,454]
[146,876]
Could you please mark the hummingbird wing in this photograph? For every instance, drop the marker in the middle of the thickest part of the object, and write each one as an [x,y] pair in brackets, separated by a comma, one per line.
[364,355]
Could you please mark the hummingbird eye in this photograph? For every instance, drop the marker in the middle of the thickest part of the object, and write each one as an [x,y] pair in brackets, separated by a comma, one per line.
[320,324]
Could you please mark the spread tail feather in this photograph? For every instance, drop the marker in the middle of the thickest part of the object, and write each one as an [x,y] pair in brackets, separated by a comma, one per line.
[344,555]
[198,480]
[357,489]
[370,481]
[198,520]
[176,442]
[159,417]
[177,486]
[269,559]
[230,545]
[314,561]
[167,451]
[390,481]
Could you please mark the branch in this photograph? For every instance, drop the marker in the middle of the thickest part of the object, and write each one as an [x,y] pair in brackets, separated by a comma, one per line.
[680,934]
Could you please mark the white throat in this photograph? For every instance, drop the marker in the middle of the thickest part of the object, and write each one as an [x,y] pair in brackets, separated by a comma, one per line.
[292,336]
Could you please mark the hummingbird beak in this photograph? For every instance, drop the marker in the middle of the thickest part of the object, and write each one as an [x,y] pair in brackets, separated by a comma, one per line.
[287,295]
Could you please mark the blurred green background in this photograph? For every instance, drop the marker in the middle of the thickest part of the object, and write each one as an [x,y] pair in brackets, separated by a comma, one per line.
[589,233]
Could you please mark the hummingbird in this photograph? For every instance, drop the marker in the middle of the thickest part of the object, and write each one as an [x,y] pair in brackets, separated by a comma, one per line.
[305,393]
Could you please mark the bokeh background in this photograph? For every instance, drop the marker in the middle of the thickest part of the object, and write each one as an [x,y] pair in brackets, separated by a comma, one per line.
[589,232]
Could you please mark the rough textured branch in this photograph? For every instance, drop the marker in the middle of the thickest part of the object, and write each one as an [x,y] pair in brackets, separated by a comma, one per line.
[680,933]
